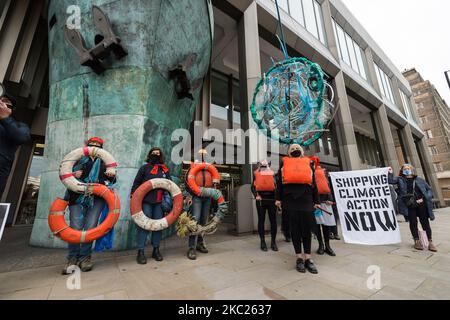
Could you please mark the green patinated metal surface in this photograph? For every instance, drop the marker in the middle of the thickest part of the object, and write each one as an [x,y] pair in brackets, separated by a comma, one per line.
[133,105]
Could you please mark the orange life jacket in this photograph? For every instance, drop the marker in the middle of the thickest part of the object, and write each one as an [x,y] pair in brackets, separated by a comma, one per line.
[264,181]
[297,171]
[203,178]
[321,181]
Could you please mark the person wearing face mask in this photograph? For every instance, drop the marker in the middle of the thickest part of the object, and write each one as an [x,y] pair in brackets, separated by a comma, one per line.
[415,200]
[200,208]
[85,210]
[12,135]
[297,193]
[263,189]
[152,204]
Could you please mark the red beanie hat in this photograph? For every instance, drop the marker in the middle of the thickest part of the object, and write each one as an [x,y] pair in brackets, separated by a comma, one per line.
[96,140]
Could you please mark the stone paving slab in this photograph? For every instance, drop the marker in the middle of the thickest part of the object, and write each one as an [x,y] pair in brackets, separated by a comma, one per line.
[235,269]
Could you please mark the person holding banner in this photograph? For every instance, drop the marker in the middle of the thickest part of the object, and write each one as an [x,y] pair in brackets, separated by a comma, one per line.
[324,215]
[297,194]
[415,201]
[263,189]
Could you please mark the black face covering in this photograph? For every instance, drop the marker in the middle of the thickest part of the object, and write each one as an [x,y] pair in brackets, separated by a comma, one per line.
[155,159]
[296,154]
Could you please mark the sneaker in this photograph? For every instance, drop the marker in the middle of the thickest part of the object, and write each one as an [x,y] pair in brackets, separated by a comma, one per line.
[300,266]
[72,262]
[432,247]
[202,248]
[141,258]
[191,254]
[86,265]
[311,267]
[418,245]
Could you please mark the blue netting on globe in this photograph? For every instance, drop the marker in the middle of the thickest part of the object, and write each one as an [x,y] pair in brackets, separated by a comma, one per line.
[292,101]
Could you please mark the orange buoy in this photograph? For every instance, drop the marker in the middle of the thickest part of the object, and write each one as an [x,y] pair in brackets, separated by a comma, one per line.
[191,179]
[138,196]
[59,227]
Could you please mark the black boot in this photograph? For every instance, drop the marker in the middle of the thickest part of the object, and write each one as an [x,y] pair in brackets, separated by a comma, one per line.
[141,258]
[264,245]
[311,267]
[274,246]
[328,250]
[191,254]
[202,248]
[321,250]
[157,255]
[300,266]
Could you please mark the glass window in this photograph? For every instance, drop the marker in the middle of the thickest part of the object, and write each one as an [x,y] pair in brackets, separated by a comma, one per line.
[320,24]
[296,11]
[284,5]
[361,58]
[28,204]
[343,44]
[351,51]
[310,18]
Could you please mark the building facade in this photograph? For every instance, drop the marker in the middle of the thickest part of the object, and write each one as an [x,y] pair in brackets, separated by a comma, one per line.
[376,123]
[434,119]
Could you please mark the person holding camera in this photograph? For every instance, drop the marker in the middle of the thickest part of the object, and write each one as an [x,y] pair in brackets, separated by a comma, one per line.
[415,200]
[12,135]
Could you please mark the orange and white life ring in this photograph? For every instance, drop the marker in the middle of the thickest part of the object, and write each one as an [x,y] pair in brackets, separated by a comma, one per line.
[193,186]
[138,196]
[59,227]
[66,168]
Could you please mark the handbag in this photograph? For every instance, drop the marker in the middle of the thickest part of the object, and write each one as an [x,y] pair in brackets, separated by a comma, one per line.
[410,199]
[423,237]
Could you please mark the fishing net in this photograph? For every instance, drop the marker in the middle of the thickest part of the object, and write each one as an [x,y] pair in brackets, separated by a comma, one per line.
[292,98]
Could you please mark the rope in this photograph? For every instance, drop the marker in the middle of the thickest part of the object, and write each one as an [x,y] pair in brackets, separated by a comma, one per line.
[280,26]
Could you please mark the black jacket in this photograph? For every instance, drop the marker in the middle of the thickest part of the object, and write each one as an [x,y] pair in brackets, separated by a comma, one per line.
[86,168]
[144,174]
[12,135]
[297,197]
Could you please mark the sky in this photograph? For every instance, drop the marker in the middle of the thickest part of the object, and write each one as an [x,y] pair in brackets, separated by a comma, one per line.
[412,33]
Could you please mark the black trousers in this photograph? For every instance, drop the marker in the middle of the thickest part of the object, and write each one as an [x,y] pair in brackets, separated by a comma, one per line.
[301,230]
[421,213]
[269,207]
[325,230]
[285,224]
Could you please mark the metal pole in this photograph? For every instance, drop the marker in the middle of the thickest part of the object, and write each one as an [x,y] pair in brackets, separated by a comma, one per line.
[448,77]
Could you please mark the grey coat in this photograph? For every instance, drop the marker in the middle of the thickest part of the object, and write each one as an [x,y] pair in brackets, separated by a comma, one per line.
[403,191]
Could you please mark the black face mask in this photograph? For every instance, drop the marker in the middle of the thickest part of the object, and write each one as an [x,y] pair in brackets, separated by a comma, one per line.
[296,154]
[155,159]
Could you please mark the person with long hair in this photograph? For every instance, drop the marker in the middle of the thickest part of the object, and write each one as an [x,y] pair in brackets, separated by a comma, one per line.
[152,204]
[297,193]
[415,201]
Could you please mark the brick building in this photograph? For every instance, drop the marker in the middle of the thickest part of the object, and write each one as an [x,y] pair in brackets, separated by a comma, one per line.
[434,119]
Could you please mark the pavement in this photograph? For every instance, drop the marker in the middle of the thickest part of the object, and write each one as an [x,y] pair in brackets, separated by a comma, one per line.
[235,269]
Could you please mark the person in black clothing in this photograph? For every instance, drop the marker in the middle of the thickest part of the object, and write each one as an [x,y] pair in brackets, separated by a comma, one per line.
[297,193]
[85,210]
[263,188]
[12,135]
[285,227]
[152,204]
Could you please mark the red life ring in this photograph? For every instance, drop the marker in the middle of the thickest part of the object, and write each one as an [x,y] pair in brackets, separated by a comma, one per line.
[136,205]
[195,188]
[59,227]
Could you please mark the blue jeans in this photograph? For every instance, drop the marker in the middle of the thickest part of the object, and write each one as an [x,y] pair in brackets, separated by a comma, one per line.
[81,221]
[200,212]
[155,212]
